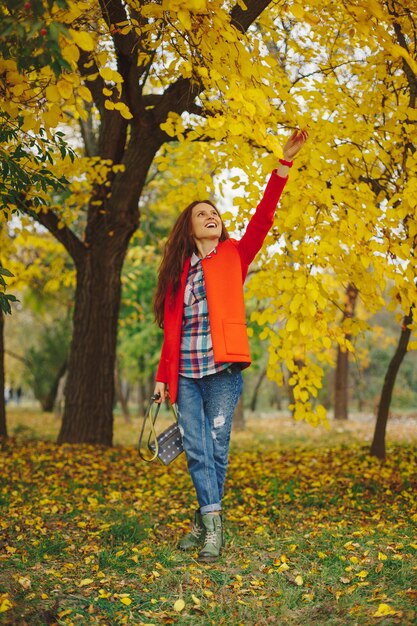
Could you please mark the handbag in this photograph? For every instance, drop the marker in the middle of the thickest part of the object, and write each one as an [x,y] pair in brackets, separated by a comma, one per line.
[166,446]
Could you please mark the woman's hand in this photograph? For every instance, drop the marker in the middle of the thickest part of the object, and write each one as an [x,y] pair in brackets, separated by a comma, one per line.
[161,389]
[294,144]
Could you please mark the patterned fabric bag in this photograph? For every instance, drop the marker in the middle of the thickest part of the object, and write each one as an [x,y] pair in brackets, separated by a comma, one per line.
[166,446]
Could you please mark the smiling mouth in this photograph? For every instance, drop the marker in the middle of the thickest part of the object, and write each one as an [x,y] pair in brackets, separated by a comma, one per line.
[211,225]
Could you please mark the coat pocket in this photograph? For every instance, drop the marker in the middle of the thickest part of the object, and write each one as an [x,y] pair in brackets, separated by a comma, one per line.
[235,337]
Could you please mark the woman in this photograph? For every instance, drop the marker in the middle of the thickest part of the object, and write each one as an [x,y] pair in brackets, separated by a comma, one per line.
[199,303]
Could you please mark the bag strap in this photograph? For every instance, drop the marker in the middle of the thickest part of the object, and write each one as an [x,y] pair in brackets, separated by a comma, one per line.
[152,419]
[153,405]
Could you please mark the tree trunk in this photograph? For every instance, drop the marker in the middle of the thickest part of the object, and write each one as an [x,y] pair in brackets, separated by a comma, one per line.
[341,383]
[48,402]
[120,395]
[3,424]
[276,397]
[378,443]
[60,396]
[112,218]
[255,394]
[88,413]
[239,423]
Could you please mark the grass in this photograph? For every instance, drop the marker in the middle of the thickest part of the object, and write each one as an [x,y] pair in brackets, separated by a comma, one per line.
[317,531]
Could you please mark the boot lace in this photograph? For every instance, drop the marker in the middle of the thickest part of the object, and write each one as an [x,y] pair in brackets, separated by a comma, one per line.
[196,531]
[211,536]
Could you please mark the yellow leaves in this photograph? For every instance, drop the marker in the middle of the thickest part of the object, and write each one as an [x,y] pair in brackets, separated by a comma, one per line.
[179,605]
[297,10]
[71,53]
[64,88]
[52,94]
[384,610]
[398,51]
[197,601]
[186,69]
[124,110]
[316,473]
[126,600]
[85,93]
[14,77]
[173,126]
[85,582]
[52,117]
[152,10]
[283,567]
[118,106]
[107,73]
[299,580]
[5,603]
[24,582]
[30,123]
[83,39]
[236,128]
[17,90]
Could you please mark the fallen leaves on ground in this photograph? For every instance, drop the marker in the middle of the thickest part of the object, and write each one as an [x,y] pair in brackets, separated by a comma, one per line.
[89,535]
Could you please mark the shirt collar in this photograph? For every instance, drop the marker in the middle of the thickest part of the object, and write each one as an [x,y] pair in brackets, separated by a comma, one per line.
[195,259]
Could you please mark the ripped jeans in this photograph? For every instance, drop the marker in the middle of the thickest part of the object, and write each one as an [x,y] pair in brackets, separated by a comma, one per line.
[205,410]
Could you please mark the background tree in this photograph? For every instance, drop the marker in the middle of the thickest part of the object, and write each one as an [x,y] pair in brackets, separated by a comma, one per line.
[378,447]
[348,233]
[341,385]
[45,284]
[3,424]
[26,48]
[132,103]
[191,74]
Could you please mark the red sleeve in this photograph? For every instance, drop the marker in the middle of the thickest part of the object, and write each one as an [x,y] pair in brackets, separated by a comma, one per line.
[262,220]
[162,374]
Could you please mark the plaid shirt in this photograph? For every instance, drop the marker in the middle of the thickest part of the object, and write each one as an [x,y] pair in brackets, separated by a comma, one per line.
[196,354]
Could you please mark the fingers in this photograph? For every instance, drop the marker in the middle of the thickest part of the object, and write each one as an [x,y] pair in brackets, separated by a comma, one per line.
[160,393]
[300,135]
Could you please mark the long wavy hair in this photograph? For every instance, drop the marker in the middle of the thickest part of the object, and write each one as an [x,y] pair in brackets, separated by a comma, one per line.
[179,246]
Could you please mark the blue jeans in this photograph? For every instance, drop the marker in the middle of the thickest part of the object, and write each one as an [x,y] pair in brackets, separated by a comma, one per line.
[205,410]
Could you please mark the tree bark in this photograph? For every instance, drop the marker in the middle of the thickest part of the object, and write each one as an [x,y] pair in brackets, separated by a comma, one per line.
[122,399]
[378,444]
[341,383]
[3,423]
[255,394]
[239,422]
[48,402]
[89,394]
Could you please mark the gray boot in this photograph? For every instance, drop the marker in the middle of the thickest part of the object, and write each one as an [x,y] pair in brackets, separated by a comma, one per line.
[213,540]
[196,536]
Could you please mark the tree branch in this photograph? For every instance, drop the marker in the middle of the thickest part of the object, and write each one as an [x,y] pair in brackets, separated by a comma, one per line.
[242,19]
[86,67]
[63,234]
[180,96]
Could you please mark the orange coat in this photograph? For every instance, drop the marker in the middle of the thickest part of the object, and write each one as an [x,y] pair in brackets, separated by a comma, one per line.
[224,275]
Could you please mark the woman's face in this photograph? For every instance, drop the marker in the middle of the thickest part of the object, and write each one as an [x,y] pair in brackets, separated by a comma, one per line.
[206,223]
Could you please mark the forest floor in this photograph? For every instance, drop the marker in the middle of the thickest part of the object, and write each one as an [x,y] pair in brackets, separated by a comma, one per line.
[318,532]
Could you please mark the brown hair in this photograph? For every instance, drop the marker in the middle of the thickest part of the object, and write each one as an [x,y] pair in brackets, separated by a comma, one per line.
[179,246]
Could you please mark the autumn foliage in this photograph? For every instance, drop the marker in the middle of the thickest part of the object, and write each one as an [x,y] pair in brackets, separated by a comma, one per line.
[198,88]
